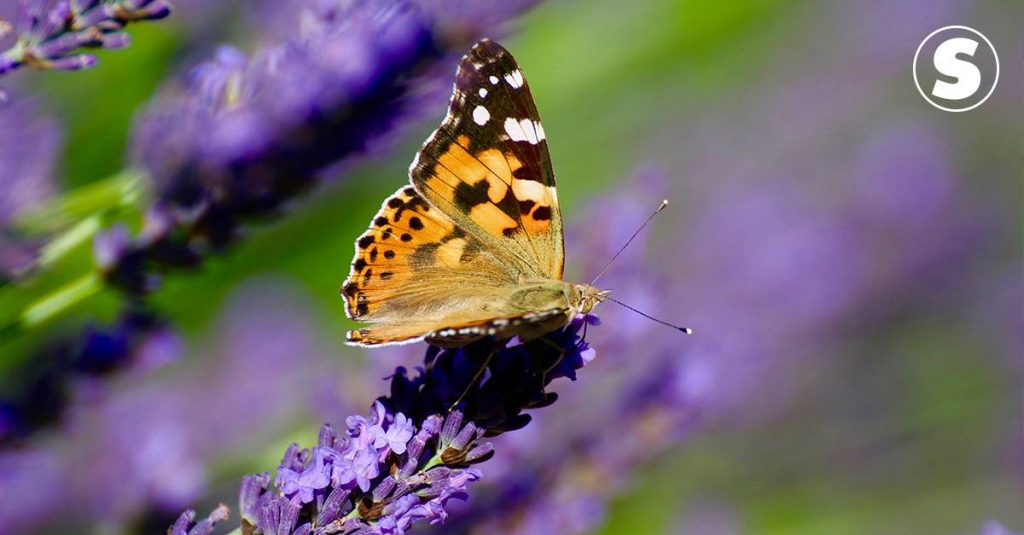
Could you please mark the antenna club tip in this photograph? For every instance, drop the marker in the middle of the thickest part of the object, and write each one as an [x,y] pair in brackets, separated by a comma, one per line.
[664,203]
[686,330]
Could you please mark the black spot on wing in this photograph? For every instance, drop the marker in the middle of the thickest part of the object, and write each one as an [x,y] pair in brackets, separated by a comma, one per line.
[469,195]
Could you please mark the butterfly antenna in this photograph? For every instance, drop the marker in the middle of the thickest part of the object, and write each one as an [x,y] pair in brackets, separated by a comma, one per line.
[685,330]
[660,207]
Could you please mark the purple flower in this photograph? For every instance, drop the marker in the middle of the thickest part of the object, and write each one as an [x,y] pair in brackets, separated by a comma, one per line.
[50,33]
[137,340]
[301,484]
[248,133]
[29,146]
[396,436]
[389,470]
[186,524]
[391,491]
[144,446]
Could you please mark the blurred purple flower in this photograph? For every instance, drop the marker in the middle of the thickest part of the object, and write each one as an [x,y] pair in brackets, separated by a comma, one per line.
[772,272]
[29,146]
[145,445]
[994,527]
[138,340]
[50,33]
[250,132]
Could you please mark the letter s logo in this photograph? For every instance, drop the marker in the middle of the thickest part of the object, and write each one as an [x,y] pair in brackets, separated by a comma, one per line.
[968,77]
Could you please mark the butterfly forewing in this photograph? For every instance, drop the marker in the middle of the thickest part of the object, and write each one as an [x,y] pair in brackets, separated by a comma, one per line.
[488,166]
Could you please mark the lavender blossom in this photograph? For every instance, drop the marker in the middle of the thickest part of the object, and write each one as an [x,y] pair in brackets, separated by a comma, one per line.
[144,447]
[186,524]
[50,33]
[404,462]
[251,132]
[29,145]
[138,339]
[356,483]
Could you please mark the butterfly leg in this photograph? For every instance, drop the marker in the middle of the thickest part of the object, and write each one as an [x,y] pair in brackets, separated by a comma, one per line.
[474,380]
[583,339]
[557,361]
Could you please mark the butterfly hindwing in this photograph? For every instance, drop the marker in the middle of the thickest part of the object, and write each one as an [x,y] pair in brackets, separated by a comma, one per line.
[488,166]
[417,275]
[409,247]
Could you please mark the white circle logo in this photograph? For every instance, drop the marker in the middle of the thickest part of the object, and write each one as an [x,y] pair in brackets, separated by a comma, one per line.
[956,68]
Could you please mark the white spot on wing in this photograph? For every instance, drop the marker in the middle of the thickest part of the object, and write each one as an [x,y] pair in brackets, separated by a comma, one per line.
[540,131]
[481,115]
[482,92]
[494,80]
[531,133]
[514,130]
[515,79]
[524,130]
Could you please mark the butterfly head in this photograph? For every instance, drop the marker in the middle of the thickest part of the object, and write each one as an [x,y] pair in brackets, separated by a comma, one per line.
[586,297]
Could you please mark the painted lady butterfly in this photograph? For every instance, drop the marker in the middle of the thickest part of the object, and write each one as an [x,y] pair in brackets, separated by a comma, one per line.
[474,246]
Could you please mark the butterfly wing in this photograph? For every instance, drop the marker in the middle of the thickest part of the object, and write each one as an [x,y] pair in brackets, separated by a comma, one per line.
[417,275]
[488,167]
[475,247]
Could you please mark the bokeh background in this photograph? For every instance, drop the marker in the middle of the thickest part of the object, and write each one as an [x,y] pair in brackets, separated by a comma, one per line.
[848,256]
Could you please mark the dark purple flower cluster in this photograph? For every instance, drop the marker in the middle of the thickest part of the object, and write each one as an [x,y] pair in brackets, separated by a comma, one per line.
[395,467]
[50,33]
[515,379]
[250,132]
[138,338]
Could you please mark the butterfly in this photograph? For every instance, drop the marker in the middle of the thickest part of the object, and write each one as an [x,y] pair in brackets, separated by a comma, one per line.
[473,247]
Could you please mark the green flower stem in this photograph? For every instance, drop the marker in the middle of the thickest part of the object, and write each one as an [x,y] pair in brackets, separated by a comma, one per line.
[65,297]
[122,190]
[67,241]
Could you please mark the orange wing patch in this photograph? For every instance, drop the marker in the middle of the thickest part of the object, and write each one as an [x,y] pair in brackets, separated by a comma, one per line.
[477,185]
[406,235]
[487,189]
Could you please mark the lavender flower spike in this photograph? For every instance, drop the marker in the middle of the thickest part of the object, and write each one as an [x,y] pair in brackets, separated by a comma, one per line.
[358,481]
[50,33]
[390,470]
[186,524]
